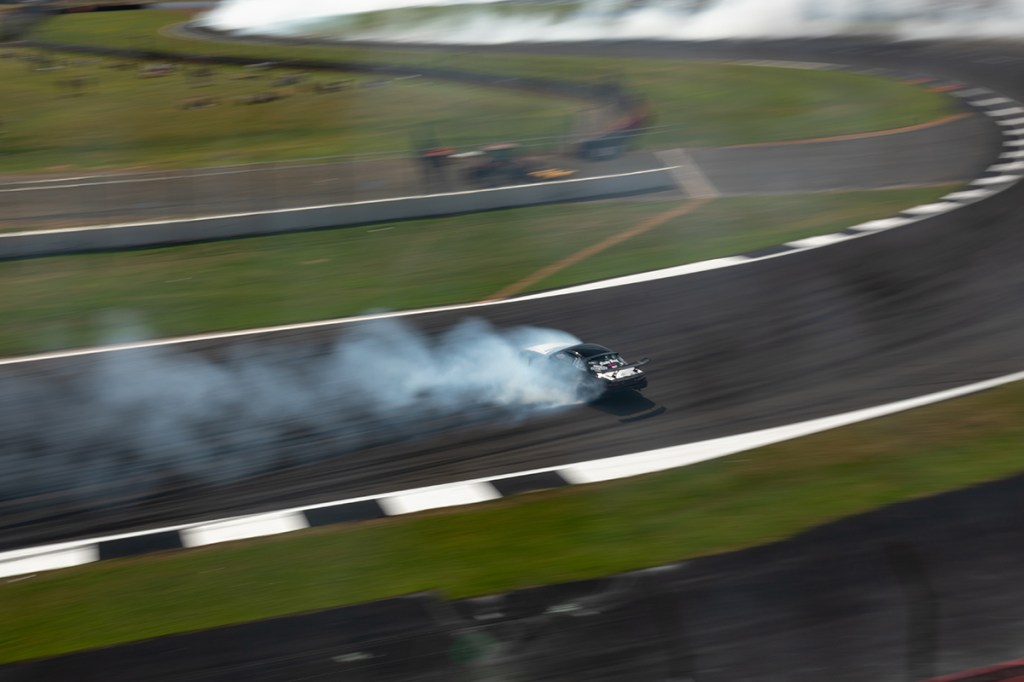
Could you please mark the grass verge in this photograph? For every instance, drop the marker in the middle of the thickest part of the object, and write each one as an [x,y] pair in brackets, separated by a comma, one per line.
[65,301]
[102,113]
[702,104]
[541,538]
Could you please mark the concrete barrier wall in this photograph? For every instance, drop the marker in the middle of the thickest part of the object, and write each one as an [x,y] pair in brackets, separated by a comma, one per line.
[134,235]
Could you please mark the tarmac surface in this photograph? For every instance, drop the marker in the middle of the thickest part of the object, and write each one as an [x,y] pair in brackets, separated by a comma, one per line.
[51,202]
[900,594]
[913,310]
[817,333]
[953,151]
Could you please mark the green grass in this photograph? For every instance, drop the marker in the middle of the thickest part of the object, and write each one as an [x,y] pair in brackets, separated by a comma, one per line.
[64,301]
[556,536]
[541,538]
[702,104]
[739,224]
[118,119]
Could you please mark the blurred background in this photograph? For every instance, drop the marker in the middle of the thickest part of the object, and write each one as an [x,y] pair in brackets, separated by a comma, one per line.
[273,271]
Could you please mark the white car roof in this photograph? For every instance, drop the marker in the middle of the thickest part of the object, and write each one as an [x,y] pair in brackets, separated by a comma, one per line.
[549,348]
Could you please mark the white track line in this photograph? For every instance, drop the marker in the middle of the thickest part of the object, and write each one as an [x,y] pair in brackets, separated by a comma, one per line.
[367,202]
[684,455]
[243,528]
[75,553]
[885,223]
[625,280]
[688,175]
[990,102]
[79,552]
[437,497]
[971,194]
[932,209]
[821,240]
[11,563]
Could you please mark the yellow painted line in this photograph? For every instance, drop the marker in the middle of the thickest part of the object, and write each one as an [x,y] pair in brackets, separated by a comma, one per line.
[860,136]
[594,249]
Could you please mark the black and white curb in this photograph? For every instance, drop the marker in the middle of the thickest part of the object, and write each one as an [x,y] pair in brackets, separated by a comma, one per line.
[1008,114]
[1007,171]
[26,562]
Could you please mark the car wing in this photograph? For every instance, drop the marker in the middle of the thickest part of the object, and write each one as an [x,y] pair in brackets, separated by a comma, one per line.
[639,363]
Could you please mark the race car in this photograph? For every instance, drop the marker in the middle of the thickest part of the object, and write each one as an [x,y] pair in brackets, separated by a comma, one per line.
[597,369]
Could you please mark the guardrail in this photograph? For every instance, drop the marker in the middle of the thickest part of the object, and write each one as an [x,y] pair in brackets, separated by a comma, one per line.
[180,231]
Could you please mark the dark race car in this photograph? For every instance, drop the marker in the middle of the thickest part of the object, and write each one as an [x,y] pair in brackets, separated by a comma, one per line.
[597,369]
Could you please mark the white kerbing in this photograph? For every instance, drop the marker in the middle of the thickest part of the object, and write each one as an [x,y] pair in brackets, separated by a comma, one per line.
[242,528]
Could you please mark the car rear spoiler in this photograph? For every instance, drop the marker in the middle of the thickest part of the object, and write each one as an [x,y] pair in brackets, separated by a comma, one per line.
[640,363]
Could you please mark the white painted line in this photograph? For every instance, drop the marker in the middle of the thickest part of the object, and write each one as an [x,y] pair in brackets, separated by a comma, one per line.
[466,492]
[651,276]
[1012,155]
[437,497]
[47,559]
[997,180]
[932,209]
[1015,131]
[970,194]
[369,202]
[145,176]
[684,455]
[11,556]
[243,527]
[688,175]
[974,92]
[1011,122]
[986,102]
[125,181]
[678,271]
[1006,112]
[820,240]
[86,551]
[885,223]
[782,64]
[1002,167]
[874,225]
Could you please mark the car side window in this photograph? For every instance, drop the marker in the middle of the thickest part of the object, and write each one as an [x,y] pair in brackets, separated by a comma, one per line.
[564,357]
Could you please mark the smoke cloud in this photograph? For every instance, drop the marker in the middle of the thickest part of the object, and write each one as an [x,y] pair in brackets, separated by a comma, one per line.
[486,22]
[135,419]
[274,16]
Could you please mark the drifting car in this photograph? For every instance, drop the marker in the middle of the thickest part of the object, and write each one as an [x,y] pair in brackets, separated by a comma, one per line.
[597,369]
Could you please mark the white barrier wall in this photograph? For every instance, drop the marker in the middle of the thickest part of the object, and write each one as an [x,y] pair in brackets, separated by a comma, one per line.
[101,238]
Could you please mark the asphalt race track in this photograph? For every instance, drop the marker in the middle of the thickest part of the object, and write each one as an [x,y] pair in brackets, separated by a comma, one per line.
[120,198]
[913,157]
[908,311]
[899,594]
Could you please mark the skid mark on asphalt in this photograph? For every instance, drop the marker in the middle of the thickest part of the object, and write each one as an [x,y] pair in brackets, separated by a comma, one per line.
[594,249]
[952,118]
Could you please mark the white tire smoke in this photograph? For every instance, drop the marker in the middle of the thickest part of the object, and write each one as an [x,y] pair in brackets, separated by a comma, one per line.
[472,22]
[134,419]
